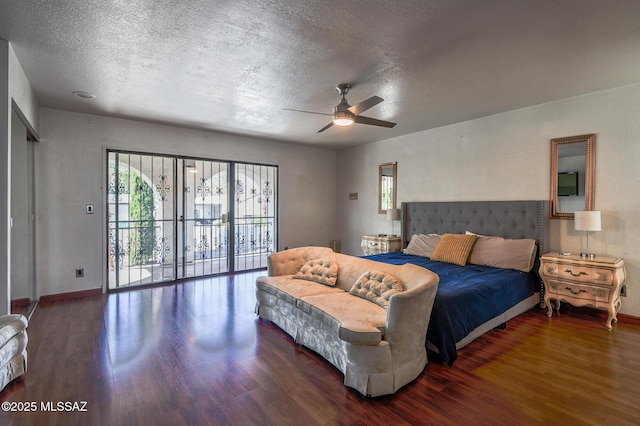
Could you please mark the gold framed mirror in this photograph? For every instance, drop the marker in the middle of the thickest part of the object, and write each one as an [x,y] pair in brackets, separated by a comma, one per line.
[387,182]
[573,162]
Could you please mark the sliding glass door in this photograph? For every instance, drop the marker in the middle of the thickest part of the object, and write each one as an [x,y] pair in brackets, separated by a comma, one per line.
[171,217]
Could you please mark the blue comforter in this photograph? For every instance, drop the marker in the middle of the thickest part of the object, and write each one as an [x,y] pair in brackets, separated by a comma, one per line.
[467,297]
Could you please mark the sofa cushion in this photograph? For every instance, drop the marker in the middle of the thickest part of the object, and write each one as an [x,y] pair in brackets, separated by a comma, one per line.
[292,290]
[322,271]
[454,248]
[377,287]
[356,320]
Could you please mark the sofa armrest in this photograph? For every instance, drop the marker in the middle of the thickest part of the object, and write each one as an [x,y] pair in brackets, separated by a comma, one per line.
[408,317]
[10,326]
[288,262]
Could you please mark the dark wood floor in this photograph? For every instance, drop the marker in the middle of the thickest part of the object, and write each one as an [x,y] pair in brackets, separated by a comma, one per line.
[196,354]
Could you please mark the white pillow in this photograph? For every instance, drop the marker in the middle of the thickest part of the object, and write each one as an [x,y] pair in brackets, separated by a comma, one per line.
[518,254]
[423,244]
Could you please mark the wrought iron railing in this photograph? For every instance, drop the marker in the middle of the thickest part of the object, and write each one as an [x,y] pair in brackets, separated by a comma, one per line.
[205,240]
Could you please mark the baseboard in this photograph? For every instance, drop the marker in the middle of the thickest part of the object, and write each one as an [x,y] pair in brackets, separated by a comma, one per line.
[51,298]
[19,304]
[628,319]
[600,314]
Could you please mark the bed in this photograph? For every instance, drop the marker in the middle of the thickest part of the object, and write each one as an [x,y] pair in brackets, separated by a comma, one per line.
[474,299]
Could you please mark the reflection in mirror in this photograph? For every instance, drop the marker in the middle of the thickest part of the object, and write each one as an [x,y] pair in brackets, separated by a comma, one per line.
[572,175]
[23,267]
[386,187]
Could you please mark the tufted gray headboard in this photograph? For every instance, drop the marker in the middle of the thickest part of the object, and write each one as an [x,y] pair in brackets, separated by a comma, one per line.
[507,219]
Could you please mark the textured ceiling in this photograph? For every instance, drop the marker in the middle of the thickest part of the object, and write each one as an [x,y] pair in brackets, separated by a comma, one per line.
[232,66]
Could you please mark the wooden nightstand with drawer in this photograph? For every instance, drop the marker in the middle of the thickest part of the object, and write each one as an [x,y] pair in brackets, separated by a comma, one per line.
[380,243]
[583,282]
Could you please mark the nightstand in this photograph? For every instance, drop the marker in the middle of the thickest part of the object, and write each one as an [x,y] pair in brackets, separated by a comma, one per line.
[583,282]
[380,243]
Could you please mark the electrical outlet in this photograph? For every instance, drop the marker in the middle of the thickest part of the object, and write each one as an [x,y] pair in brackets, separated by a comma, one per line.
[623,291]
[79,272]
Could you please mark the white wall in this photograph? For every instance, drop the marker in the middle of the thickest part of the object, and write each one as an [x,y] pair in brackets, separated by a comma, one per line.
[70,163]
[506,157]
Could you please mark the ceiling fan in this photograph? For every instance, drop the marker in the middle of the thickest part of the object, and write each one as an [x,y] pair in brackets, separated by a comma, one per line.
[345,114]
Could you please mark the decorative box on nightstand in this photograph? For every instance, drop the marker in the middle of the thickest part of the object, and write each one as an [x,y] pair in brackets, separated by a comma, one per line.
[583,282]
[380,243]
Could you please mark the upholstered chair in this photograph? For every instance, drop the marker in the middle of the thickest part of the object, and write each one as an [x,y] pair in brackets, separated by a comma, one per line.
[13,348]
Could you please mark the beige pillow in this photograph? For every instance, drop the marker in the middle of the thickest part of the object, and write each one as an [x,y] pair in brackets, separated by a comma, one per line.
[320,271]
[454,248]
[422,244]
[377,287]
[518,254]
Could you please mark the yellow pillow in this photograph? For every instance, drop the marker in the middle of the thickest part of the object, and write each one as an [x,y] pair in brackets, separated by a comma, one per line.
[454,248]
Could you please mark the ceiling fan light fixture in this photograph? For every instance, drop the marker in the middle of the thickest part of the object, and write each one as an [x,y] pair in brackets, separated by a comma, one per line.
[345,115]
[342,119]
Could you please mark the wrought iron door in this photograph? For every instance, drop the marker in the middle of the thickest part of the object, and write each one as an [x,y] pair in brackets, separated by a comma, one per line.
[141,219]
[254,215]
[205,224]
[171,218]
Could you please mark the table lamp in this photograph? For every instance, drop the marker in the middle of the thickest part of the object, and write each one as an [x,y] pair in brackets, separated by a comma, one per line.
[587,221]
[392,216]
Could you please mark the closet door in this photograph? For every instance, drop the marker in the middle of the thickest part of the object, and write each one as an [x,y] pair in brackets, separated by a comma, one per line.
[22,216]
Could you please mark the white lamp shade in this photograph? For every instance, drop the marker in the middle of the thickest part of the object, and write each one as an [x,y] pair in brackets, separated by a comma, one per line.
[393,214]
[587,221]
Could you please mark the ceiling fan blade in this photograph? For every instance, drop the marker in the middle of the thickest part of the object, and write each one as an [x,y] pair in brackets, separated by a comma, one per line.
[326,127]
[306,112]
[373,121]
[365,105]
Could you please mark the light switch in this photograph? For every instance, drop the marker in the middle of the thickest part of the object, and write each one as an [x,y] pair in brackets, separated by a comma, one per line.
[89,208]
